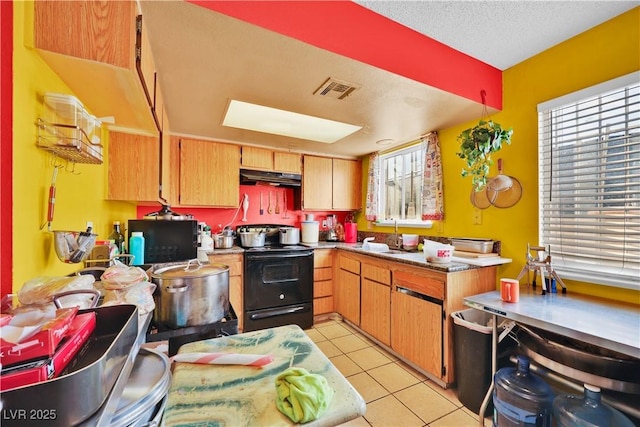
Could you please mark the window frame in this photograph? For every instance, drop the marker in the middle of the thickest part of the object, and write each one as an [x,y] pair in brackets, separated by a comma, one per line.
[382,220]
[571,265]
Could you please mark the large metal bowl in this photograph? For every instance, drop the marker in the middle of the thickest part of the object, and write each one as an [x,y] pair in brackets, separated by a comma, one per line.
[73,246]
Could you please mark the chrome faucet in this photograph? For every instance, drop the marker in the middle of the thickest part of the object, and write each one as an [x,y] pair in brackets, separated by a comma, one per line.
[397,240]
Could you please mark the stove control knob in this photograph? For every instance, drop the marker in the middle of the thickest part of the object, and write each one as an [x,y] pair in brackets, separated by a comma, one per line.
[281,296]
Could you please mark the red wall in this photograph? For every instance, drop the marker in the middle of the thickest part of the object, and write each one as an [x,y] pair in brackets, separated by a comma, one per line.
[214,217]
[351,30]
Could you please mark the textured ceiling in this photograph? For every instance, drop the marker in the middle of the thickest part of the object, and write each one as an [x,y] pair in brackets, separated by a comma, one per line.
[500,33]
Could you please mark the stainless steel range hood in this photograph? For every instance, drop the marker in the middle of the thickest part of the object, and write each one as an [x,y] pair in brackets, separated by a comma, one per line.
[281,179]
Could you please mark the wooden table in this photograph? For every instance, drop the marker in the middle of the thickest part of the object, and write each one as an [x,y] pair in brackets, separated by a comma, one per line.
[235,395]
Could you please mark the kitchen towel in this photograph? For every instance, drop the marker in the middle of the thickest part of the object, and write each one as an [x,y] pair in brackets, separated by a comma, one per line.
[224,359]
[302,396]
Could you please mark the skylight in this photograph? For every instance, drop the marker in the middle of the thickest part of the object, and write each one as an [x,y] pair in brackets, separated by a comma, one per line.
[244,115]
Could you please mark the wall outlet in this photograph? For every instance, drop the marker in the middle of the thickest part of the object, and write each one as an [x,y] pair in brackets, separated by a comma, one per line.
[440,227]
[324,223]
[477,216]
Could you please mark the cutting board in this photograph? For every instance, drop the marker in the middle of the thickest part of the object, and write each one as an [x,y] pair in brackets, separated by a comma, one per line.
[463,254]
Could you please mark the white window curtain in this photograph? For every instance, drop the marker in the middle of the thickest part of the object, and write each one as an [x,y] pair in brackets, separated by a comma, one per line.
[589,183]
[373,191]
[432,191]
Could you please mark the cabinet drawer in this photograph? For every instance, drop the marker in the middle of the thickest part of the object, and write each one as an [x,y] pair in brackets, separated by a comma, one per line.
[322,274]
[349,264]
[234,262]
[377,274]
[322,305]
[423,285]
[323,288]
[323,258]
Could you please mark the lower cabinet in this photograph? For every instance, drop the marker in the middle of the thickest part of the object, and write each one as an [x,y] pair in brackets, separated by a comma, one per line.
[347,287]
[323,281]
[416,322]
[375,302]
[234,262]
[407,307]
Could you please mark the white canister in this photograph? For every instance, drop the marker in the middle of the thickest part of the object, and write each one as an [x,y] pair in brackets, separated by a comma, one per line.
[310,231]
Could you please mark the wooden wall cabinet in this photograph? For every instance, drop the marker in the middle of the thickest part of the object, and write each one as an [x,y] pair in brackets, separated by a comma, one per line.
[133,168]
[208,173]
[234,262]
[347,286]
[323,281]
[269,160]
[344,175]
[92,46]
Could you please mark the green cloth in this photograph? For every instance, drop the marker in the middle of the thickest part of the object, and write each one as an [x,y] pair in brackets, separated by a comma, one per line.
[302,396]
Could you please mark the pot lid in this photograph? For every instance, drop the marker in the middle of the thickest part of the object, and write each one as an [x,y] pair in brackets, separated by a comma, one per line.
[190,270]
[167,214]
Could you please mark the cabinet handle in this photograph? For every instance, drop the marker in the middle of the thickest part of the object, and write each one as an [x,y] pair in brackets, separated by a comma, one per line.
[418,295]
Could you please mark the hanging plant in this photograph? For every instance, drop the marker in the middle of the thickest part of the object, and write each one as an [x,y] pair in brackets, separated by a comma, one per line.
[477,144]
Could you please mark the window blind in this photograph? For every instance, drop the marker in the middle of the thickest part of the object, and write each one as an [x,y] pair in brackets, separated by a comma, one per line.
[589,185]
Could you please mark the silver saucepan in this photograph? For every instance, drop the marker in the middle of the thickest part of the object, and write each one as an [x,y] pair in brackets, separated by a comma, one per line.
[289,235]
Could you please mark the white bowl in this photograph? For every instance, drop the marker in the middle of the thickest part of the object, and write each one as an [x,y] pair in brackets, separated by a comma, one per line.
[439,253]
[410,240]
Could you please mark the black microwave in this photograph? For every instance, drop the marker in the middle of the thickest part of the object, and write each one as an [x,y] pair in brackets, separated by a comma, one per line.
[166,240]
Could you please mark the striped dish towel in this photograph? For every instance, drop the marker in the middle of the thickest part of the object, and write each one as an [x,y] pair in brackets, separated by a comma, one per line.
[224,359]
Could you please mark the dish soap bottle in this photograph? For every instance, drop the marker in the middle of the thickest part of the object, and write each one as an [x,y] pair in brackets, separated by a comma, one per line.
[136,247]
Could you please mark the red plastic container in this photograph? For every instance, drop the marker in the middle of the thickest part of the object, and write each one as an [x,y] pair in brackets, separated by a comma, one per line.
[350,232]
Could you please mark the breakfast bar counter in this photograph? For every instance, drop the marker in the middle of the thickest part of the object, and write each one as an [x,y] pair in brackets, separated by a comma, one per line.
[245,395]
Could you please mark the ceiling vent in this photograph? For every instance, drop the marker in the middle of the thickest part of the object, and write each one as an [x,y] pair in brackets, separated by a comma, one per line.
[337,89]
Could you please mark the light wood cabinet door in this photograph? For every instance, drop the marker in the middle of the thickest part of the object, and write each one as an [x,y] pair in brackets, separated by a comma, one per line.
[287,162]
[346,190]
[375,317]
[331,184]
[416,331]
[347,293]
[91,45]
[317,182]
[209,173]
[133,171]
[234,262]
[323,281]
[257,158]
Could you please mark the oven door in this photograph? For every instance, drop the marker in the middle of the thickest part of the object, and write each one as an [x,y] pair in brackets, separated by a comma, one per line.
[277,279]
[297,314]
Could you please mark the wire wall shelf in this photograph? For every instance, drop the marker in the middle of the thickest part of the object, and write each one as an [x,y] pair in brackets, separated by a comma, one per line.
[68,142]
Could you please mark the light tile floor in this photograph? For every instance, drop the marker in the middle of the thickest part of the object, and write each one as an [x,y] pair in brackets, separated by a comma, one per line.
[396,394]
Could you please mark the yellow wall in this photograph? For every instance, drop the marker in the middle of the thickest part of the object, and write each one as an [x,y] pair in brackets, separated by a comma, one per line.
[80,196]
[602,53]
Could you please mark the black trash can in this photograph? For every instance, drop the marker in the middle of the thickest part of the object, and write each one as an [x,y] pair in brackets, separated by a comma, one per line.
[472,338]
